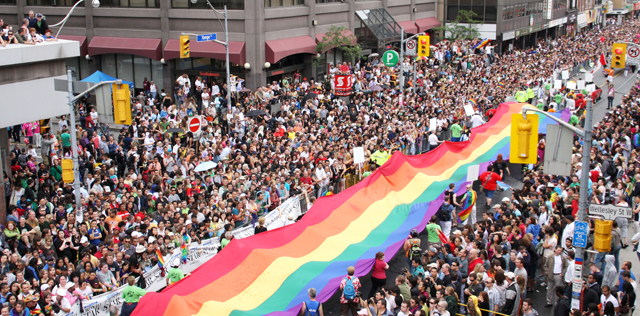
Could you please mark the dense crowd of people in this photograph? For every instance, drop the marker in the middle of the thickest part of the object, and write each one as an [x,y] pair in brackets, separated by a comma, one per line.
[141,194]
[492,265]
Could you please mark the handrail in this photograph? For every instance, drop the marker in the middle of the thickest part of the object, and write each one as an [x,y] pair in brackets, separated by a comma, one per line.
[484,310]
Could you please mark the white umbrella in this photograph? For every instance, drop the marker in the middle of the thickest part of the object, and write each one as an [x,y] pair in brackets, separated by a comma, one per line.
[373,55]
[207,165]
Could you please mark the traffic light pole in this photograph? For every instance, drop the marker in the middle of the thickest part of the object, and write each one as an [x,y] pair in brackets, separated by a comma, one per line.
[583,203]
[74,141]
[402,42]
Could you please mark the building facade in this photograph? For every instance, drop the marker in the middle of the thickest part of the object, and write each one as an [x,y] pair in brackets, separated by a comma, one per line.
[137,39]
[516,23]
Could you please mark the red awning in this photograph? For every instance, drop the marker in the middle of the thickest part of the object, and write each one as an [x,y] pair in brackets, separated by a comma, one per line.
[427,24]
[207,50]
[278,49]
[409,27]
[346,33]
[81,39]
[147,47]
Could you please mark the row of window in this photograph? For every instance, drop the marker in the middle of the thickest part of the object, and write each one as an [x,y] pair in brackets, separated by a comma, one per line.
[200,4]
[484,14]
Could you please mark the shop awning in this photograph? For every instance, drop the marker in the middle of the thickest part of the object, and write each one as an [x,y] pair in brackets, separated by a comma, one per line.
[409,27]
[345,33]
[208,50]
[81,39]
[427,24]
[147,47]
[278,49]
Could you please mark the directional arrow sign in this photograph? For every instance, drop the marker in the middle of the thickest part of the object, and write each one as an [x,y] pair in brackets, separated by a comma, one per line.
[207,37]
[580,234]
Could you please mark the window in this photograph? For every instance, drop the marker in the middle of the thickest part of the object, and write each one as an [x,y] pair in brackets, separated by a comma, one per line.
[55,3]
[507,13]
[202,4]
[130,3]
[328,1]
[479,11]
[282,3]
[452,13]
[7,2]
[490,14]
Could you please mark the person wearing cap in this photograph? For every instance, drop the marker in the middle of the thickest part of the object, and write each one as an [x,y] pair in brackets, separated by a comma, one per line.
[511,295]
[175,274]
[131,295]
[61,301]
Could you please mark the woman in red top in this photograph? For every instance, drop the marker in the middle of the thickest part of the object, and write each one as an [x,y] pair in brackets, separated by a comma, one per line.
[379,274]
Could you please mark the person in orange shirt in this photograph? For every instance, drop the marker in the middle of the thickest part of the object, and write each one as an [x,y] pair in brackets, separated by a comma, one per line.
[112,220]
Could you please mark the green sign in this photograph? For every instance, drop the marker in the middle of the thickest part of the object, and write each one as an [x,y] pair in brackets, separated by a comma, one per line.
[390,58]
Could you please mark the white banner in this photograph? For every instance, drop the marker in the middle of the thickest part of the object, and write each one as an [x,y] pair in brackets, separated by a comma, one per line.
[198,254]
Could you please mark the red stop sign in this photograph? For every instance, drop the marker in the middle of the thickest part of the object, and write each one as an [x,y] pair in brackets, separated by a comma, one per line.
[194,124]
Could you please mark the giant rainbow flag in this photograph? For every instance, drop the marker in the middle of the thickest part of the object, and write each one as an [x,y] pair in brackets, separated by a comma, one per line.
[271,272]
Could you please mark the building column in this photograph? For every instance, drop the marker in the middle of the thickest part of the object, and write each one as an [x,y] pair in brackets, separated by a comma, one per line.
[352,15]
[20,8]
[255,43]
[88,7]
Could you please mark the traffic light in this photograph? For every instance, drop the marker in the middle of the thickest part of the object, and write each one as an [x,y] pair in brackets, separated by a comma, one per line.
[524,139]
[618,56]
[121,104]
[602,240]
[423,45]
[67,170]
[184,46]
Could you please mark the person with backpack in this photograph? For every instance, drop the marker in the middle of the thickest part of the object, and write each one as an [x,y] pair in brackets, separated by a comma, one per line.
[412,248]
[311,307]
[445,216]
[349,300]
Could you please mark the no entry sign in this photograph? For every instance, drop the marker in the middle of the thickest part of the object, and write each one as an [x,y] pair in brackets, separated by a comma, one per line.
[194,124]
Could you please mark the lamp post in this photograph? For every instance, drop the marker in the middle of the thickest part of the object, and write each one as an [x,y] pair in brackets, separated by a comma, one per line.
[225,43]
[94,3]
[72,127]
[402,42]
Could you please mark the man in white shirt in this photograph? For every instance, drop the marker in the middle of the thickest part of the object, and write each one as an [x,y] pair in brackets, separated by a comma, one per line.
[568,230]
[476,120]
[62,301]
[607,297]
[433,141]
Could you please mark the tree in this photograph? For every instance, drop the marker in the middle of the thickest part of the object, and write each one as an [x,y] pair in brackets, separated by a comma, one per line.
[336,38]
[462,27]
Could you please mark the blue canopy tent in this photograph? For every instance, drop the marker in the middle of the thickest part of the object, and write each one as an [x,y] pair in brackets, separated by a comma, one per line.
[101,76]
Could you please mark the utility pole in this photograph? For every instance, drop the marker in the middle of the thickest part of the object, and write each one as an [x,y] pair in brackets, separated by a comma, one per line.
[583,203]
[401,66]
[74,143]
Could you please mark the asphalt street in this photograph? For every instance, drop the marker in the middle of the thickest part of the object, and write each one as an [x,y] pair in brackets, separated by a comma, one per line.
[622,85]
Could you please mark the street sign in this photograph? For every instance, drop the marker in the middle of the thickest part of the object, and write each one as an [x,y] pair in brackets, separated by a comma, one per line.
[62,85]
[207,37]
[194,124]
[580,234]
[633,52]
[390,58]
[411,47]
[610,212]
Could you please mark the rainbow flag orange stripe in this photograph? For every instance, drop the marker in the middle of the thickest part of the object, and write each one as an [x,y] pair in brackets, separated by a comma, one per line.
[270,273]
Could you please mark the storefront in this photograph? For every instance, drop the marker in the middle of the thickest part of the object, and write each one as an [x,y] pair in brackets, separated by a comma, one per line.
[212,71]
[572,18]
[287,68]
[582,20]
